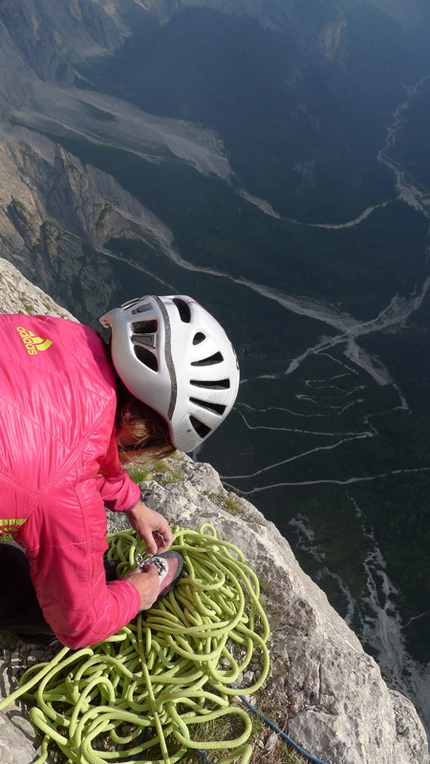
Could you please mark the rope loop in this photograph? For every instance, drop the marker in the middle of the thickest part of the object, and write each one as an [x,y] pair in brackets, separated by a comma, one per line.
[137,695]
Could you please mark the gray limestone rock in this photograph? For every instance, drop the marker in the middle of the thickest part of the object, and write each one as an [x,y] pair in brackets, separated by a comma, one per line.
[15,747]
[339,707]
[18,295]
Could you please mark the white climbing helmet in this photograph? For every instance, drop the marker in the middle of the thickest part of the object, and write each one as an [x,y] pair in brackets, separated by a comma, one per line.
[175,357]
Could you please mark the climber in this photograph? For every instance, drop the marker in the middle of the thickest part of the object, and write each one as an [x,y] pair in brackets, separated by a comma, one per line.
[75,408]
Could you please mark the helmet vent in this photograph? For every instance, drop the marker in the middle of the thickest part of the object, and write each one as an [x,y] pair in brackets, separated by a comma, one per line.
[142,308]
[184,310]
[219,384]
[144,327]
[146,357]
[129,303]
[201,429]
[217,408]
[198,338]
[210,361]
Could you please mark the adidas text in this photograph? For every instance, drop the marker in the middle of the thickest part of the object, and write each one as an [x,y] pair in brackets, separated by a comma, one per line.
[33,344]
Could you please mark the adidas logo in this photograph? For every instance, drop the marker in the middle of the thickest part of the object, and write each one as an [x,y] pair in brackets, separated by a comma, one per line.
[33,344]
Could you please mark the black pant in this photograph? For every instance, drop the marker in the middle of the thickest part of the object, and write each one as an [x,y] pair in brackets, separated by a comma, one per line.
[20,611]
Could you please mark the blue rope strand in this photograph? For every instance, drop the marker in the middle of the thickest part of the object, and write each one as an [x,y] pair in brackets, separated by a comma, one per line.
[141,739]
[274,727]
[206,761]
[281,732]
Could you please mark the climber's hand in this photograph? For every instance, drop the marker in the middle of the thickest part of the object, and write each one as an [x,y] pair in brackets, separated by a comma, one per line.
[147,582]
[152,527]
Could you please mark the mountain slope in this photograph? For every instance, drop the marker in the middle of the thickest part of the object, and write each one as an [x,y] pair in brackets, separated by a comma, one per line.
[250,158]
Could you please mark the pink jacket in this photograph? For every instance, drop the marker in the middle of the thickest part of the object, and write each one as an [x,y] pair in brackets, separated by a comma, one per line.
[59,467]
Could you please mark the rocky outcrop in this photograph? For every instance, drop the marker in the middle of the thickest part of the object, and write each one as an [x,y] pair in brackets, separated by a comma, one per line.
[338,706]
[272,15]
[50,45]
[56,217]
[323,689]
[18,295]
[279,13]
[57,214]
[332,39]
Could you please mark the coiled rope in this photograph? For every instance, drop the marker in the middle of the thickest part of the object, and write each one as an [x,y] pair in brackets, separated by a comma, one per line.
[138,694]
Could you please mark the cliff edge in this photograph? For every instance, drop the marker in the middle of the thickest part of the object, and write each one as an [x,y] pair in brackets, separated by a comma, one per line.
[323,689]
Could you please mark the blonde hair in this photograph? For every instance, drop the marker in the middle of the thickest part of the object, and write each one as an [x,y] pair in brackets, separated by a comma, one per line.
[139,423]
[147,428]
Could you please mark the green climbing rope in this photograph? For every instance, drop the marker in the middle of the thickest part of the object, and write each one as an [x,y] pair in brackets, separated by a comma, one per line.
[136,695]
